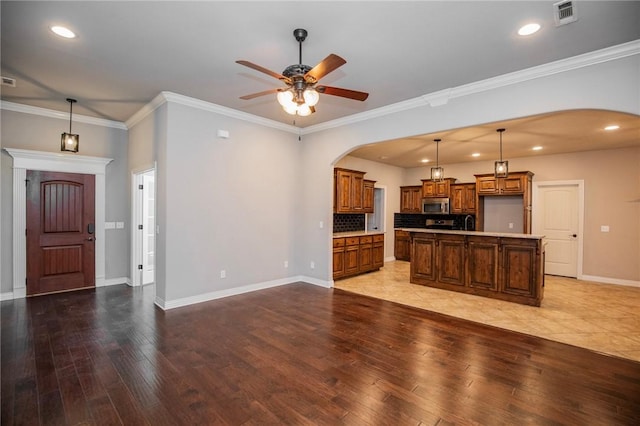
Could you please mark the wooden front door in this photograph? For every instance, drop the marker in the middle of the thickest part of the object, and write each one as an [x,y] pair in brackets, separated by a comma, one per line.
[60,231]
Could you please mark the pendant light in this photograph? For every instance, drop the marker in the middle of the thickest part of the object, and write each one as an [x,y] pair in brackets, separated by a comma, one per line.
[437,172]
[501,167]
[70,142]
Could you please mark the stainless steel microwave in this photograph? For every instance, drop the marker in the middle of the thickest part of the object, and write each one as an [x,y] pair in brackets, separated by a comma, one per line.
[435,206]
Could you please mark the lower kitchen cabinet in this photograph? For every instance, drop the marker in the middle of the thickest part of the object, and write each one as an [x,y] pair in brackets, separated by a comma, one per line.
[402,246]
[357,255]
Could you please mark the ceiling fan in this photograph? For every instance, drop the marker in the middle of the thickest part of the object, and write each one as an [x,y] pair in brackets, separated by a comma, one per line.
[302,92]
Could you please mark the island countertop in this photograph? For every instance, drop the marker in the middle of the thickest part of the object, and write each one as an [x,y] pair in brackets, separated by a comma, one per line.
[474,233]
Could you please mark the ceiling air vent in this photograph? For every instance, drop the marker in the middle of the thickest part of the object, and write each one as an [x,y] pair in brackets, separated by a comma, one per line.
[8,81]
[564,12]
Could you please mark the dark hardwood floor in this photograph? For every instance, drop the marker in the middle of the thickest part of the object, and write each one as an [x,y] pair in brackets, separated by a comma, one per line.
[297,354]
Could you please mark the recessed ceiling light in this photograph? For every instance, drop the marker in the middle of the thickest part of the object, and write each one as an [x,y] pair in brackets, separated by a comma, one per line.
[536,148]
[612,127]
[63,31]
[475,154]
[424,160]
[529,29]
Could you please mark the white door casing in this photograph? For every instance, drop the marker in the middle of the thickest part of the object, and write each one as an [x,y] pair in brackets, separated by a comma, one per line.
[24,160]
[148,227]
[558,215]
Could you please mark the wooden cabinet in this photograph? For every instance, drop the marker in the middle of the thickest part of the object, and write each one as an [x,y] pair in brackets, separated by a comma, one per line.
[402,246]
[451,259]
[368,195]
[463,198]
[411,199]
[505,268]
[356,255]
[439,189]
[378,251]
[516,184]
[352,192]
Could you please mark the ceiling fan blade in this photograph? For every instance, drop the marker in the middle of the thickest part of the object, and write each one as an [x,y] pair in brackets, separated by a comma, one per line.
[263,70]
[255,95]
[328,64]
[345,93]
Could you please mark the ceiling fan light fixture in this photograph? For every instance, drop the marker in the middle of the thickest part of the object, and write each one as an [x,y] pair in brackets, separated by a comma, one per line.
[311,96]
[285,98]
[291,108]
[304,110]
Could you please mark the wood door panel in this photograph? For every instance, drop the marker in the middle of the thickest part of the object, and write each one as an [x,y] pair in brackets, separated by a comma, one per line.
[60,249]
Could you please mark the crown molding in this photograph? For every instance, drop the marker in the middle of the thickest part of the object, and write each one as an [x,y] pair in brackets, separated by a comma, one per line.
[442,97]
[77,118]
[164,97]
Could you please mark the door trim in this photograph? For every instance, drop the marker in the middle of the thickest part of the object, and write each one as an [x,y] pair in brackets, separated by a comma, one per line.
[136,212]
[24,160]
[536,211]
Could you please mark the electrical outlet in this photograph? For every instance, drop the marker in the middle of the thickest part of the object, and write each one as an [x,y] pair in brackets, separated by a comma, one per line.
[286,263]
[223,274]
[604,228]
[313,265]
[510,225]
[321,224]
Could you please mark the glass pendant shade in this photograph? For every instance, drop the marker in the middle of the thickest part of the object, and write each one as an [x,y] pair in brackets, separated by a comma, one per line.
[70,142]
[285,98]
[501,169]
[292,108]
[437,173]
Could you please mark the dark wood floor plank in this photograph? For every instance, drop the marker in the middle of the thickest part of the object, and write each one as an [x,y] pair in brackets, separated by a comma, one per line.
[296,354]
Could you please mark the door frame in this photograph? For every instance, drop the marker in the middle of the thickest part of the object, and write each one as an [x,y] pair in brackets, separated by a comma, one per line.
[536,212]
[24,160]
[136,213]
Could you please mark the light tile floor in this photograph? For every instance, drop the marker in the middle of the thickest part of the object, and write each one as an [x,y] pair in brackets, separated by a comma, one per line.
[601,317]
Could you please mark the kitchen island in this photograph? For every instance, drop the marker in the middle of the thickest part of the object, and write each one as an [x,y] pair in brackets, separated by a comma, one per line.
[502,266]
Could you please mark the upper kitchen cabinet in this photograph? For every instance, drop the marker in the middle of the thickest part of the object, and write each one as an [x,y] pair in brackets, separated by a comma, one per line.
[368,195]
[440,189]
[517,183]
[352,193]
[463,198]
[411,199]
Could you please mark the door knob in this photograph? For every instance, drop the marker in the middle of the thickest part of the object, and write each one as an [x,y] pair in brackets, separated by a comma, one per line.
[90,239]
[574,235]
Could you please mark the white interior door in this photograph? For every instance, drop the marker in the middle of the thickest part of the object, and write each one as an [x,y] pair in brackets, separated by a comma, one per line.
[148,227]
[558,219]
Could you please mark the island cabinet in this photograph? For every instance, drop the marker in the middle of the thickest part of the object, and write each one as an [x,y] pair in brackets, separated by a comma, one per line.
[411,199]
[350,192]
[501,267]
[463,198]
[402,245]
[355,255]
[439,189]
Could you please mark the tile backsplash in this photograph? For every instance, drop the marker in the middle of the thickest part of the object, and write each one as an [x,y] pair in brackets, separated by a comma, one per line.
[348,222]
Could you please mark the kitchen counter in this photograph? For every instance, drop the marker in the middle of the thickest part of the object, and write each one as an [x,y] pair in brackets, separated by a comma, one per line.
[498,265]
[474,233]
[356,234]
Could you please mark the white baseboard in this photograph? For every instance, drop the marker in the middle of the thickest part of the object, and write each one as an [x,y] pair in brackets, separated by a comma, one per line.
[186,301]
[605,280]
[6,296]
[114,281]
[389,259]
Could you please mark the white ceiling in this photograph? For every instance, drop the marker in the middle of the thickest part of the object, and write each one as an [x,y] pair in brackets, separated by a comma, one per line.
[128,52]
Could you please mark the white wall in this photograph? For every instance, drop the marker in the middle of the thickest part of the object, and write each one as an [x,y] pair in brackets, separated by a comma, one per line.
[612,85]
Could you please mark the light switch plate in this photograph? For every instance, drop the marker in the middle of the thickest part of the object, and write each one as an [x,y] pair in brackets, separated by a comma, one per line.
[604,228]
[109,225]
[120,225]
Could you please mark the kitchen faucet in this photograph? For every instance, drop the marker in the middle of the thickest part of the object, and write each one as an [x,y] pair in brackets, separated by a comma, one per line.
[465,221]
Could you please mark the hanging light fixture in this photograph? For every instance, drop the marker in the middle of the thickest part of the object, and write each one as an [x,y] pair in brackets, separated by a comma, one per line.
[501,167]
[437,172]
[70,142]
